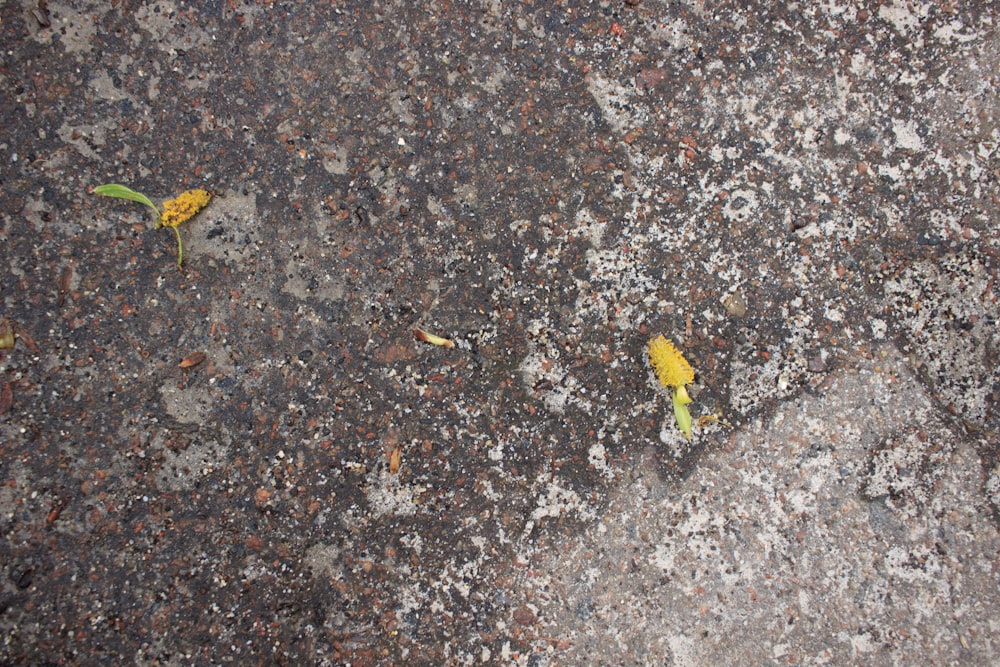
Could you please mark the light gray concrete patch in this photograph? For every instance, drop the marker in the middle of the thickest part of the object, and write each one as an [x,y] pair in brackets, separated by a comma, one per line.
[227,230]
[847,529]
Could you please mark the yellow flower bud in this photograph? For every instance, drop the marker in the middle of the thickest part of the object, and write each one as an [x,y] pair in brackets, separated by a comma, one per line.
[183,207]
[671,367]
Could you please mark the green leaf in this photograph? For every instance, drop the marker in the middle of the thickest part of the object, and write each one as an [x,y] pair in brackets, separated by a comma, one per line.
[122,192]
[681,413]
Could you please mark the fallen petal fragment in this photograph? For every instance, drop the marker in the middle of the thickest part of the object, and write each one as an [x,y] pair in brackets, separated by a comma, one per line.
[425,337]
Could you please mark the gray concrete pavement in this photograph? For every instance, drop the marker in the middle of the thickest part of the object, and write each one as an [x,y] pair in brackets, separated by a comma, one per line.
[802,196]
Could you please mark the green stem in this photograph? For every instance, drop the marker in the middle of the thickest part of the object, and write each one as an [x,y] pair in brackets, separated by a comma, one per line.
[180,246]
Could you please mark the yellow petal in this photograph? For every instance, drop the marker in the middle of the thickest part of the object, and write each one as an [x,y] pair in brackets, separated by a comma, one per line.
[671,367]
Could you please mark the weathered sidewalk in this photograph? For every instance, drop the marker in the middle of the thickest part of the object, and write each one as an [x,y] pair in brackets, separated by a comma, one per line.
[251,459]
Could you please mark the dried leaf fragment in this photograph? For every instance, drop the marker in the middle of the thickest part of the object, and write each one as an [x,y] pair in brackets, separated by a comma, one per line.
[735,304]
[65,283]
[41,14]
[6,334]
[425,337]
[6,398]
[705,420]
[28,340]
[192,359]
[55,511]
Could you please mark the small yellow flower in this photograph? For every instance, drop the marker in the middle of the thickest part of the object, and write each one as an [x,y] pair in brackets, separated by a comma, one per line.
[673,370]
[183,207]
[175,211]
[180,209]
[671,367]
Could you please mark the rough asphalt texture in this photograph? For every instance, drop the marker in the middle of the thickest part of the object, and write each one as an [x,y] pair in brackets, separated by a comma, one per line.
[803,196]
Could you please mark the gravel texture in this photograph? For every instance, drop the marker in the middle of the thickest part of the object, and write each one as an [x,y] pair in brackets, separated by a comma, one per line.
[251,459]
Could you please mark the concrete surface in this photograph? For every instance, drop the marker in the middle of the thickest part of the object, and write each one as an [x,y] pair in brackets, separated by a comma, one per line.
[802,196]
[847,528]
